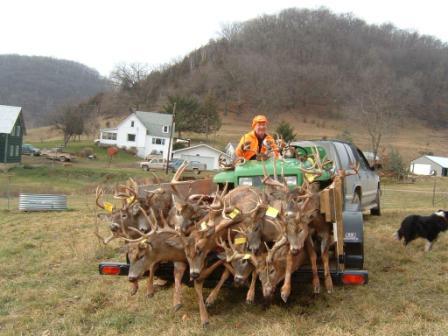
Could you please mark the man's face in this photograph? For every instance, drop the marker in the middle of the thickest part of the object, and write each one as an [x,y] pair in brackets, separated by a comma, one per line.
[260,129]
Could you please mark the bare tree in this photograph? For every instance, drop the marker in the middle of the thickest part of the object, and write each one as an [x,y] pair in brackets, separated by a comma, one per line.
[70,121]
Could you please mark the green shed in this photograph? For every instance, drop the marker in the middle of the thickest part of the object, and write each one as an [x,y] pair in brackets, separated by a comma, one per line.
[12,129]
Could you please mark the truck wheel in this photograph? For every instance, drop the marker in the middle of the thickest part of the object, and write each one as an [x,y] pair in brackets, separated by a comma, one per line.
[377,210]
[355,204]
[196,171]
[62,159]
[146,168]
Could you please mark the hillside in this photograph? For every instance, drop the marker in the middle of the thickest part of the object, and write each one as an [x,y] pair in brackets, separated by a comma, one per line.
[306,61]
[41,84]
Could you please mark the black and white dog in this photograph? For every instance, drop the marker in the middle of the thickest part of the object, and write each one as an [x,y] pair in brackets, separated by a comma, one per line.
[427,227]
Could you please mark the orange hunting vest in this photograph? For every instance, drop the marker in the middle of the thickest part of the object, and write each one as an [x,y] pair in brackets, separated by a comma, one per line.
[253,150]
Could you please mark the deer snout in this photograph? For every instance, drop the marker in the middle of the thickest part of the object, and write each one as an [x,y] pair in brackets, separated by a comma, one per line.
[294,250]
[114,227]
[268,292]
[194,275]
[132,278]
[238,280]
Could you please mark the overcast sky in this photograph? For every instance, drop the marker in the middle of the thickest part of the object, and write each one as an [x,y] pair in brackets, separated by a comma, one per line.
[104,33]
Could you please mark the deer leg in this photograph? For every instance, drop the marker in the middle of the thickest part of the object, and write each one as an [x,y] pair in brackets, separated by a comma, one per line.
[286,288]
[326,261]
[179,270]
[313,260]
[251,292]
[202,308]
[150,283]
[214,293]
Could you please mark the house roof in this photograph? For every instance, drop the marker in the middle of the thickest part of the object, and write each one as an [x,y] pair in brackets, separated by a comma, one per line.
[154,122]
[440,160]
[8,117]
[200,145]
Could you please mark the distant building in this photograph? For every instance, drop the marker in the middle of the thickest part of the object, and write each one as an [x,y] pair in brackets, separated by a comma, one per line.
[202,153]
[147,132]
[430,165]
[12,129]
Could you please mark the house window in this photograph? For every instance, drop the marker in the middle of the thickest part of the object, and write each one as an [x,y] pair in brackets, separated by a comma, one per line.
[11,150]
[158,141]
[17,150]
[132,123]
[131,137]
[18,130]
[109,136]
[166,129]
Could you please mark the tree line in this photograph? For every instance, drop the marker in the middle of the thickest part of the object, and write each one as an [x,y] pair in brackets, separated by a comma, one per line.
[335,66]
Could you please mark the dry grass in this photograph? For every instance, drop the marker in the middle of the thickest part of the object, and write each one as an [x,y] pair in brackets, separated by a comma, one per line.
[50,285]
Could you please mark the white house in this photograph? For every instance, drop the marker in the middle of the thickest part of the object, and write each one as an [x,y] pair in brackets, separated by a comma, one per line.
[430,165]
[202,153]
[147,132]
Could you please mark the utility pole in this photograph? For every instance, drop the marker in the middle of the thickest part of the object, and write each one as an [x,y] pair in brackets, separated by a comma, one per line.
[173,123]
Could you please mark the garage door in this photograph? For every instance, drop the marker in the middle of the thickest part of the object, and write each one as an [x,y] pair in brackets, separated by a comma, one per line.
[208,160]
[421,169]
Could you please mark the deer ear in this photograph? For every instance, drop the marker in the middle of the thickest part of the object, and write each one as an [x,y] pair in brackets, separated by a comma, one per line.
[176,243]
[135,209]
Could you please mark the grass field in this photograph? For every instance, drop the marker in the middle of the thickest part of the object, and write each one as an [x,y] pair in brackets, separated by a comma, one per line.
[50,283]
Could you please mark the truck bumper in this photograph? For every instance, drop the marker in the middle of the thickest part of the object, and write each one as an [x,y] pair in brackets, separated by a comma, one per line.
[165,271]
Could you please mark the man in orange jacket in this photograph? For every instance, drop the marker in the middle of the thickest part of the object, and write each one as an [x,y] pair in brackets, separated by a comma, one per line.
[256,141]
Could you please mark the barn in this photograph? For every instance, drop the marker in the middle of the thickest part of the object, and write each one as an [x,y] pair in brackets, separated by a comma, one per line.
[202,153]
[430,165]
[12,128]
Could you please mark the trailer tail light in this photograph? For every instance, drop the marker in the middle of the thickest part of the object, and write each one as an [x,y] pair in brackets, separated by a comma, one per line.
[110,270]
[113,268]
[354,279]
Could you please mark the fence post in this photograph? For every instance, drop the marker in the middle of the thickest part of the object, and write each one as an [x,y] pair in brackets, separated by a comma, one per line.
[434,193]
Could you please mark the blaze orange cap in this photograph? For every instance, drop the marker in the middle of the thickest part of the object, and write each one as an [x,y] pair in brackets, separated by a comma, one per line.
[259,119]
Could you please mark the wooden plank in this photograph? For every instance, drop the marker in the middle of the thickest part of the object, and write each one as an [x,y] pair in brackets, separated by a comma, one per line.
[325,206]
[338,204]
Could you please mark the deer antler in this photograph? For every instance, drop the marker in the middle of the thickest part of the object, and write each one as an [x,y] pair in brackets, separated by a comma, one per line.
[99,194]
[179,172]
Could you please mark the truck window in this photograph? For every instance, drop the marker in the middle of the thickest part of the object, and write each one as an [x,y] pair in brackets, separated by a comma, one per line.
[362,159]
[351,155]
[343,155]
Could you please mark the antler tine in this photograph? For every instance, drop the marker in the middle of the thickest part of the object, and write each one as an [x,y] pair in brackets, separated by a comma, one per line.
[265,173]
[134,184]
[123,230]
[151,223]
[224,191]
[166,227]
[99,192]
[179,172]
[229,238]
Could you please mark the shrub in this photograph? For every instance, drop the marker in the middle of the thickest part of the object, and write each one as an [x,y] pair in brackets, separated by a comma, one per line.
[85,152]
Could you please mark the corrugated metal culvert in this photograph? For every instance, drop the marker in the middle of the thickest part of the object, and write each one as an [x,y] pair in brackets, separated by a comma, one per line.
[42,202]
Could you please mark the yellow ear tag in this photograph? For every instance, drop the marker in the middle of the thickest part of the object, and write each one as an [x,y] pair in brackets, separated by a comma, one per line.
[109,207]
[129,200]
[271,212]
[234,213]
[246,256]
[239,241]
[204,226]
